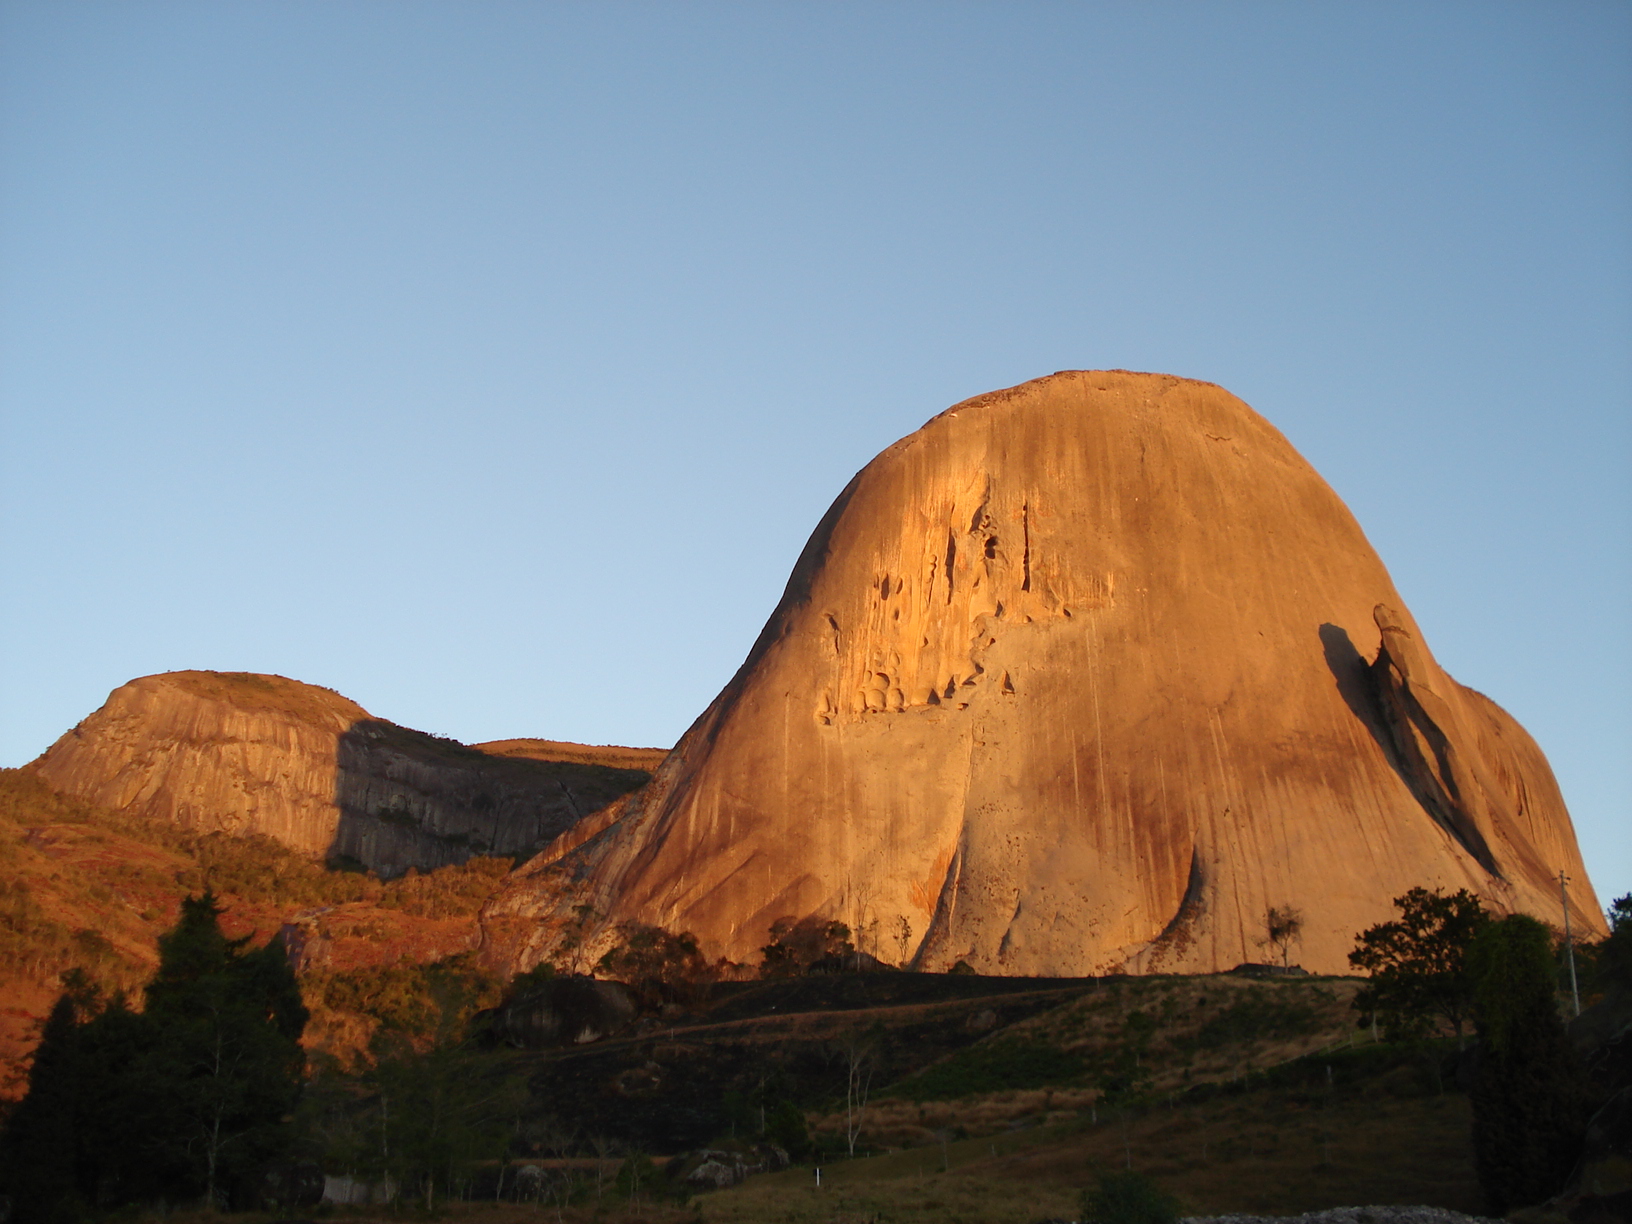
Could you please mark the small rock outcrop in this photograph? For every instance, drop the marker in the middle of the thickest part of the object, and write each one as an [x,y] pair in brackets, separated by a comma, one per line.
[252,754]
[716,1168]
[564,1011]
[1086,674]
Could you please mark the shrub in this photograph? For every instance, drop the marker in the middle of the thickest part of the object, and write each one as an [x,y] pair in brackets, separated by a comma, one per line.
[1126,1197]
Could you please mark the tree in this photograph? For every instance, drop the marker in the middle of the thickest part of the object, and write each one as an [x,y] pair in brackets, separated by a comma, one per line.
[860,1053]
[1608,963]
[225,1059]
[1282,927]
[433,1108]
[658,964]
[177,1101]
[1416,963]
[571,951]
[797,945]
[1528,1103]
[37,1149]
[442,1112]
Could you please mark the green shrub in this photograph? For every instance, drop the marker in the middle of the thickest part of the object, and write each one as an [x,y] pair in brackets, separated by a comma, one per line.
[422,1004]
[1126,1197]
[455,891]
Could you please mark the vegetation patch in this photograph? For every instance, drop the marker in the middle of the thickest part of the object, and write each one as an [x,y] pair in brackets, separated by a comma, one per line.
[1005,1064]
[1258,1015]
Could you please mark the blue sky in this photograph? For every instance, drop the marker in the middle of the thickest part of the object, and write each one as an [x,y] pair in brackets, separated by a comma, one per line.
[491,362]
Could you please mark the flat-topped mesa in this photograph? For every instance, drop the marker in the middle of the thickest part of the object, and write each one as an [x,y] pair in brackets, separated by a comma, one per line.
[1081,676]
[242,753]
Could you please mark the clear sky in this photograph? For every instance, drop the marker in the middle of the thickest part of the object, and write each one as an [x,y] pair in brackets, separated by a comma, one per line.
[490,362]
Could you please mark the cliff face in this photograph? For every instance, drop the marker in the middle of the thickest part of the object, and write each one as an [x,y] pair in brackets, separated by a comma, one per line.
[243,753]
[1086,673]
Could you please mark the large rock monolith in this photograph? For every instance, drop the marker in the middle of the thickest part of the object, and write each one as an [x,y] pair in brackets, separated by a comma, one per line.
[1085,674]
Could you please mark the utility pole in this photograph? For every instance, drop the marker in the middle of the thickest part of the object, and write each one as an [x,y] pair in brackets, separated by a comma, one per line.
[1569,943]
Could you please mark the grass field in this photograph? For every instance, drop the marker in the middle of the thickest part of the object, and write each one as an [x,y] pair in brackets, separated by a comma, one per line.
[1270,1151]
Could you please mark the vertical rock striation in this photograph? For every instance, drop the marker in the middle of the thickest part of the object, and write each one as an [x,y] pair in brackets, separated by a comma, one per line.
[240,753]
[1086,673]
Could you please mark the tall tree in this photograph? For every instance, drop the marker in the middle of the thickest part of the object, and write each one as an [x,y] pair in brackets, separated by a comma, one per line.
[37,1148]
[226,1054]
[1528,1103]
[1416,963]
[173,1102]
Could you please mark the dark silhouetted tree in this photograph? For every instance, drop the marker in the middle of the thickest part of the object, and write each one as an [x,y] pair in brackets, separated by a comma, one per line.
[797,945]
[175,1102]
[38,1148]
[658,964]
[1528,1103]
[226,1055]
[1416,963]
[1283,925]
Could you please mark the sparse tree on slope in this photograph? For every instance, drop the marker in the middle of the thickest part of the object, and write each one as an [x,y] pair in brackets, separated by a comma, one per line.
[1283,925]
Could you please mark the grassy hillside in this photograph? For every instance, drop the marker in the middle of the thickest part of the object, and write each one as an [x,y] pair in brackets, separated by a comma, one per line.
[83,887]
[1383,1131]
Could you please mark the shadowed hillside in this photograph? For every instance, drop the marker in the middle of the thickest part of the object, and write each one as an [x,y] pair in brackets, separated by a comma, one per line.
[235,752]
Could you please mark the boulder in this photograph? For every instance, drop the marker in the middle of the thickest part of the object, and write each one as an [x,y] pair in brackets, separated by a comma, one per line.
[716,1168]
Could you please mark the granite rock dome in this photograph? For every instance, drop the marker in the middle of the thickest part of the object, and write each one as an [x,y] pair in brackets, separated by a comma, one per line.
[1084,674]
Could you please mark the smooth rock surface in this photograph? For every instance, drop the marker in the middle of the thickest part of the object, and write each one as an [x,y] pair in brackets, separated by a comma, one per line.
[1083,674]
[250,754]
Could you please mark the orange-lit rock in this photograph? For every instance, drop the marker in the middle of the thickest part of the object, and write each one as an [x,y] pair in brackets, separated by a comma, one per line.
[1086,673]
[241,753]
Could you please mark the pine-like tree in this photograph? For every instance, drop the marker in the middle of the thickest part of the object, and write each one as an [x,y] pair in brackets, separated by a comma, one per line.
[177,1101]
[1528,1103]
[226,1057]
[37,1149]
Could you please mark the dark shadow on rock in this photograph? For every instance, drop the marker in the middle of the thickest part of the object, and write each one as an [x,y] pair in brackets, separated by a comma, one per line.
[1352,673]
[1415,747]
[409,799]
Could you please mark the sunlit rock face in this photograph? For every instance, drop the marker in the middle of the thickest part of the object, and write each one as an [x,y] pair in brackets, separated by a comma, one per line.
[250,754]
[1083,674]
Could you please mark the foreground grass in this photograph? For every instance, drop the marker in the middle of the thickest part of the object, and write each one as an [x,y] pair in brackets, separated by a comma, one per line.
[1269,1152]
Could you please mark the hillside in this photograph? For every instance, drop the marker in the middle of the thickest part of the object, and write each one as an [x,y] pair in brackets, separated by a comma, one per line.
[247,754]
[82,887]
